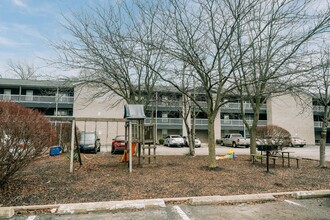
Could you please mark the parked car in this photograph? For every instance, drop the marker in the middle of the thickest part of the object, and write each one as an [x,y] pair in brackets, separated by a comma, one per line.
[235,140]
[118,144]
[279,141]
[198,143]
[174,140]
[89,141]
[297,141]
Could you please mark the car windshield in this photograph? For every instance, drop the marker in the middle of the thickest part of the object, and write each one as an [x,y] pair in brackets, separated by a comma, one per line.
[120,138]
[236,135]
[87,138]
[175,136]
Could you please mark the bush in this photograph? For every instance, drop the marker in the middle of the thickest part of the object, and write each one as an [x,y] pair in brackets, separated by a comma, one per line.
[161,141]
[275,135]
[24,135]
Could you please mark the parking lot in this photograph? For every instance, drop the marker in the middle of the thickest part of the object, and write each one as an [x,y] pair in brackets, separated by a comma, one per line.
[308,152]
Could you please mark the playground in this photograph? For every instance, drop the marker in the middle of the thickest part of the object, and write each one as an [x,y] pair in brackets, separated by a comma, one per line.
[103,177]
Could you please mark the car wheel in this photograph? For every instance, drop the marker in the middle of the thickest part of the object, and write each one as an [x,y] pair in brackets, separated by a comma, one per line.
[290,145]
[301,145]
[234,145]
[247,146]
[221,143]
[112,150]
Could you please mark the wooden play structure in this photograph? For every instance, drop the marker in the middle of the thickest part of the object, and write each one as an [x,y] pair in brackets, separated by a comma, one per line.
[140,136]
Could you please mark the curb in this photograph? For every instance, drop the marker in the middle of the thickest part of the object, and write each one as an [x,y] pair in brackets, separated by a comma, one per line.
[83,208]
[312,194]
[213,200]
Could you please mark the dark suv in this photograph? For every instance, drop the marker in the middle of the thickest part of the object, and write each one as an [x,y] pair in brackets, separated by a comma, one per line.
[89,141]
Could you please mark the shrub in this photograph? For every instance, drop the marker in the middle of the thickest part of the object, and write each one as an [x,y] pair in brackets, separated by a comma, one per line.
[24,135]
[272,134]
[161,141]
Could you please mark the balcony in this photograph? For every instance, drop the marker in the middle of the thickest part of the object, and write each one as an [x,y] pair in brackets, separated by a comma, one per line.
[239,123]
[318,108]
[318,124]
[247,106]
[37,99]
[168,122]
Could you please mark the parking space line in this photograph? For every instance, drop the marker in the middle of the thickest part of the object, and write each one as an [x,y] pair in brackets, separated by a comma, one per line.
[181,213]
[293,203]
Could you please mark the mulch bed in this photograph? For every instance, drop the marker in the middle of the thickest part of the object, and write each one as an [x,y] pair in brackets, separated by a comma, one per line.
[102,177]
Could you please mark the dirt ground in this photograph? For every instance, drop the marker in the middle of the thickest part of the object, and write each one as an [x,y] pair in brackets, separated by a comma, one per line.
[102,177]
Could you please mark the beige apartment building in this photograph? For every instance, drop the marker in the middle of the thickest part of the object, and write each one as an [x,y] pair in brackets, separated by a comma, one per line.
[106,114]
[283,111]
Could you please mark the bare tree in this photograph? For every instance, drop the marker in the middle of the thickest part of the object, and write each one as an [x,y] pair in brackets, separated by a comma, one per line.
[199,34]
[270,46]
[23,70]
[105,41]
[320,91]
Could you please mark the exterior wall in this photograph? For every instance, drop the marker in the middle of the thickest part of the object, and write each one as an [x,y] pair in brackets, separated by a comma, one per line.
[85,106]
[284,111]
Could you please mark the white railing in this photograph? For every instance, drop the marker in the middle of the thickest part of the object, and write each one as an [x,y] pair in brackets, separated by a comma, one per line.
[318,108]
[238,106]
[166,121]
[318,124]
[37,99]
[236,122]
[233,105]
[203,122]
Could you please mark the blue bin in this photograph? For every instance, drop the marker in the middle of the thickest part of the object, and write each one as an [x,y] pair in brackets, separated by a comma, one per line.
[55,150]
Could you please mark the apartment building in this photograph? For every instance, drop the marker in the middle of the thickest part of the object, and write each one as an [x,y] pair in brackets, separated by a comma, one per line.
[56,98]
[52,98]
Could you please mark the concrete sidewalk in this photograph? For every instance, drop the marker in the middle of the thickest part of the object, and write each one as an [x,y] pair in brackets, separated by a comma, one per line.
[115,206]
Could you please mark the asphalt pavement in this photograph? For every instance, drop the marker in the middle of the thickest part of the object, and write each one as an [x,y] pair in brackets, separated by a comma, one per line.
[307,152]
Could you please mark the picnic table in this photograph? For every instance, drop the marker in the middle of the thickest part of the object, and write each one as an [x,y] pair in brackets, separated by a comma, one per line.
[273,152]
[268,149]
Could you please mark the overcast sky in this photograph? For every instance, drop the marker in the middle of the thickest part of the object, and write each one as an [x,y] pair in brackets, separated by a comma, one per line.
[25,26]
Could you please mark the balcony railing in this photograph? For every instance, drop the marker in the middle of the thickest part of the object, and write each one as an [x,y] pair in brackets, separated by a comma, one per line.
[317,108]
[238,106]
[318,124]
[238,123]
[234,106]
[202,122]
[37,99]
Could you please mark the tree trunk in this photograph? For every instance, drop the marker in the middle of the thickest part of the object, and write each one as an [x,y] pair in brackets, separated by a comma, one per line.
[323,138]
[211,139]
[253,136]
[193,136]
